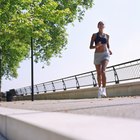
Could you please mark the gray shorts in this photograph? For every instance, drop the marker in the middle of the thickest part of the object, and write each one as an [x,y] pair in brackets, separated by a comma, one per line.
[99,57]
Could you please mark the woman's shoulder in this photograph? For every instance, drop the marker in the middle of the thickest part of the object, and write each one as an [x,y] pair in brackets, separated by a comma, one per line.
[107,35]
[94,35]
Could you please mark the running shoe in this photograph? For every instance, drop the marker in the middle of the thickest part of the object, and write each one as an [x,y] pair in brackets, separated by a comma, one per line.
[103,93]
[99,92]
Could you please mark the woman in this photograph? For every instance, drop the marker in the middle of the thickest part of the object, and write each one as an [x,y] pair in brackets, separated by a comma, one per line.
[101,57]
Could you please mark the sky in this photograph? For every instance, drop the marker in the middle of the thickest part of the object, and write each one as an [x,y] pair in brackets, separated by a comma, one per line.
[122,21]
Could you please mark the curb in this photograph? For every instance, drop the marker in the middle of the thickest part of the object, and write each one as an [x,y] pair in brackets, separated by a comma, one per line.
[16,124]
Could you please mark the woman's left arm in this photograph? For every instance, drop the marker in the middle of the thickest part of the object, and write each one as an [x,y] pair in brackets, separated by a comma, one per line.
[108,46]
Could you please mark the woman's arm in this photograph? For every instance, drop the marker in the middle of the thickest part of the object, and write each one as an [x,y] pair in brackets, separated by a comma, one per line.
[108,46]
[92,42]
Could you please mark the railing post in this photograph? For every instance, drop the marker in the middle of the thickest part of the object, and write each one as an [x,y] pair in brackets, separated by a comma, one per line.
[16,92]
[25,91]
[116,76]
[37,89]
[64,85]
[77,83]
[45,90]
[53,87]
[94,80]
[21,91]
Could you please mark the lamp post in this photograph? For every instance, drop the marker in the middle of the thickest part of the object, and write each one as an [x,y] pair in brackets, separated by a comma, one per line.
[32,55]
[0,66]
[32,70]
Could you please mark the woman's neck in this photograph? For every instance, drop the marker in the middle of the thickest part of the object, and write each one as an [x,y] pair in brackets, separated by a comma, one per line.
[101,32]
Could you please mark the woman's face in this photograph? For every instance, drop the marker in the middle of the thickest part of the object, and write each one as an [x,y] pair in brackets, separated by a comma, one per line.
[101,26]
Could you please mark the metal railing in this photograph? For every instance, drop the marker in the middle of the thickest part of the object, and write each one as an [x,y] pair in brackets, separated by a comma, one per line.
[115,74]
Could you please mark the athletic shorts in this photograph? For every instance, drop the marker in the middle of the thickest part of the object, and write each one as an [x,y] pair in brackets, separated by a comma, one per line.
[100,57]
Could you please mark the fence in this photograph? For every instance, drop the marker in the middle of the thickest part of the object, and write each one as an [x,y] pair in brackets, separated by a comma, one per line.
[115,74]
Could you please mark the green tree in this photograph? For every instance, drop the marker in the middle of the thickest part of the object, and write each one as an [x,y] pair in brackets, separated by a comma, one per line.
[44,20]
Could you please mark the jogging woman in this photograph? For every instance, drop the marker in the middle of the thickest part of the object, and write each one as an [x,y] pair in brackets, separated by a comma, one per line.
[101,57]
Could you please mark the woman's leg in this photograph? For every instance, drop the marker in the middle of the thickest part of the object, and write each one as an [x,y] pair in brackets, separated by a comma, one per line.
[104,65]
[99,74]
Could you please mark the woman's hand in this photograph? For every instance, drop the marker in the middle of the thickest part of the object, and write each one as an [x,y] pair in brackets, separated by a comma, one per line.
[99,45]
[110,52]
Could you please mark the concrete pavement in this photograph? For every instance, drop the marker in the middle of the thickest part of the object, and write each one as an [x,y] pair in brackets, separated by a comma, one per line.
[82,119]
[17,124]
[123,107]
[2,138]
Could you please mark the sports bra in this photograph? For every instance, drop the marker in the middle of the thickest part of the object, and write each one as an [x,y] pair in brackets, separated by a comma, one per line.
[102,39]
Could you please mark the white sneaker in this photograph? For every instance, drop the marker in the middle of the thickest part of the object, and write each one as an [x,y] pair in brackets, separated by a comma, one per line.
[99,92]
[103,93]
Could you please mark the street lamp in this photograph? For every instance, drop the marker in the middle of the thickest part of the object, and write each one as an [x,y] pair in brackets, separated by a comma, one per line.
[32,55]
[0,66]
[32,70]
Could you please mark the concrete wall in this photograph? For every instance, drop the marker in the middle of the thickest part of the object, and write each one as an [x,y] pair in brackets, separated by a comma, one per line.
[127,89]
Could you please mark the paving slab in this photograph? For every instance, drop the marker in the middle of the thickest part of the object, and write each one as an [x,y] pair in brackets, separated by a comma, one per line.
[34,125]
[2,138]
[123,107]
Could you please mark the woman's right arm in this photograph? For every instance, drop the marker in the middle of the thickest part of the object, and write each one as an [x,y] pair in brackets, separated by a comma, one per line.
[92,42]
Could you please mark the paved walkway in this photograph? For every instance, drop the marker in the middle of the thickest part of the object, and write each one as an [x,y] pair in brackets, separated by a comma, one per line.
[2,138]
[38,125]
[124,107]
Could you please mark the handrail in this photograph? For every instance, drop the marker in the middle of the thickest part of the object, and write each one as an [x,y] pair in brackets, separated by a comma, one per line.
[115,75]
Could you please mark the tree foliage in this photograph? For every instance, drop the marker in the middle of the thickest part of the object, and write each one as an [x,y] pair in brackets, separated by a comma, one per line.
[44,20]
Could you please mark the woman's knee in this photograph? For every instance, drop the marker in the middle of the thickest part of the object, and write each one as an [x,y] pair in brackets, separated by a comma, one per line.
[103,72]
[99,74]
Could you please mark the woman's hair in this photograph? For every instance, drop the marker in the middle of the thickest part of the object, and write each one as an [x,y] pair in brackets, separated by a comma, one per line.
[100,23]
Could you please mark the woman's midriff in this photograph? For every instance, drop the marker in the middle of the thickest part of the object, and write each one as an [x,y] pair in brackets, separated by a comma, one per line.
[102,48]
